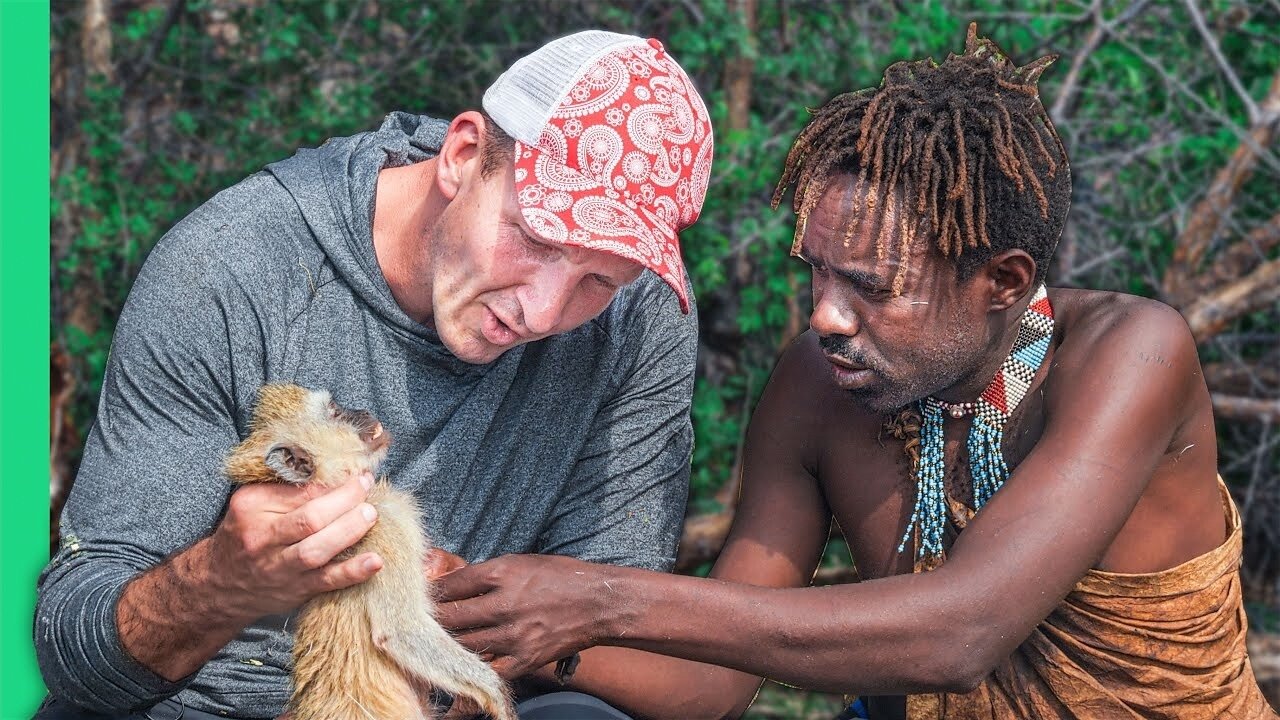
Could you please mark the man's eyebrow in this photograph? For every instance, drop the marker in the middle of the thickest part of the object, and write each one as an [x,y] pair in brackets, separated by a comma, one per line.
[858,277]
[861,277]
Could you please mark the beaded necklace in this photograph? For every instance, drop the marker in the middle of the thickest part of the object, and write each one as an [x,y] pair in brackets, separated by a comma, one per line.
[991,411]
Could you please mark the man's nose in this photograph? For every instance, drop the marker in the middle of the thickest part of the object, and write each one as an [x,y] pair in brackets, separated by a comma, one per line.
[548,295]
[832,317]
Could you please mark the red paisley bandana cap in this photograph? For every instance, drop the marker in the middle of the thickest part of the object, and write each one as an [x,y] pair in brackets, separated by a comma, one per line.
[613,147]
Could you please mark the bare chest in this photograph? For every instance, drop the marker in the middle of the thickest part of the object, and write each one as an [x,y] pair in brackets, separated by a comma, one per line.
[869,483]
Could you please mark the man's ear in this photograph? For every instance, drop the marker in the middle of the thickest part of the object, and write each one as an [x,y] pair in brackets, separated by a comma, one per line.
[291,462]
[460,152]
[1011,275]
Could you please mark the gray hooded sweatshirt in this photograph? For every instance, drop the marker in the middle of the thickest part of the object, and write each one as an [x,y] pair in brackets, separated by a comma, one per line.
[578,444]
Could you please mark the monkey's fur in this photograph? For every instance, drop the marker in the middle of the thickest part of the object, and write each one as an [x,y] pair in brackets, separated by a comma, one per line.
[372,651]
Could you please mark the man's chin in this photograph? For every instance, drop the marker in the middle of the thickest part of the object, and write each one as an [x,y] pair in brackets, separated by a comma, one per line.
[471,349]
[880,400]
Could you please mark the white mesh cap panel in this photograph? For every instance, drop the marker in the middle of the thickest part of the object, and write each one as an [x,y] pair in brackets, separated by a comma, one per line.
[522,98]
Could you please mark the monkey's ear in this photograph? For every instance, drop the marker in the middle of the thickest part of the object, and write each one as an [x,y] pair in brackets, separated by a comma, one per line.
[291,462]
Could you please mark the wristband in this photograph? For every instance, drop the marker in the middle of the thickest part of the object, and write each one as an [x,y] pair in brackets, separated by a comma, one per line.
[565,667]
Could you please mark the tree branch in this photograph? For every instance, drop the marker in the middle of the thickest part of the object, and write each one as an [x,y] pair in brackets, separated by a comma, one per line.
[703,537]
[95,40]
[1197,19]
[1208,214]
[1239,378]
[1071,84]
[1234,407]
[1240,257]
[1209,315]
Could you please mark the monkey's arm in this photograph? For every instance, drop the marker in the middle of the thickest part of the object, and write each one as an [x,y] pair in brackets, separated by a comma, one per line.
[401,613]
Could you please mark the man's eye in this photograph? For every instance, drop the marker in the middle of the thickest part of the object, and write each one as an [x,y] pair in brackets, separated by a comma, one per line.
[534,245]
[604,282]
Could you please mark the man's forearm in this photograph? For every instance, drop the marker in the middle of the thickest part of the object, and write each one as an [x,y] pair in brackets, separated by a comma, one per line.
[893,638]
[646,685]
[173,618]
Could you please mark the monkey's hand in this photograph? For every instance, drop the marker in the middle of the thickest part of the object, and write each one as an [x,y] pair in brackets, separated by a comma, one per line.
[439,563]
[276,547]
[526,611]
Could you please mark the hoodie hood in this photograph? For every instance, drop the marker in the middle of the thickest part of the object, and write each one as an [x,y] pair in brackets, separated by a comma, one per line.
[334,186]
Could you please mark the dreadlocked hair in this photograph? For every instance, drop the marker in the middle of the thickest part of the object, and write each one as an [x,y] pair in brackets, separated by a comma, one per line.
[965,147]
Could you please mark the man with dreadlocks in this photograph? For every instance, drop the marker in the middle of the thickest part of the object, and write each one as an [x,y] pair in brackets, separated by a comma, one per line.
[1054,543]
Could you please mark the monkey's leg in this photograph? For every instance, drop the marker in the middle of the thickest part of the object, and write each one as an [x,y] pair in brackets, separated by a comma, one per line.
[401,614]
[338,672]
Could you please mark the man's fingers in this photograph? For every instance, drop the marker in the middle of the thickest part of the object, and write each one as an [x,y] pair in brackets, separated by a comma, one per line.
[351,571]
[316,550]
[487,642]
[469,614]
[465,582]
[508,668]
[323,510]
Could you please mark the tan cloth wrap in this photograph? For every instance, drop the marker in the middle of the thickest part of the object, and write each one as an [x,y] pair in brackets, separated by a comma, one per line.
[1155,646]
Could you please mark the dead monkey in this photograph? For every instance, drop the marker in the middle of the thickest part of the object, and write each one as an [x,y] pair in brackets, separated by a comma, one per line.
[374,650]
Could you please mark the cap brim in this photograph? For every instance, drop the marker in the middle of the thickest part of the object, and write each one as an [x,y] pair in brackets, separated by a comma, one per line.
[564,206]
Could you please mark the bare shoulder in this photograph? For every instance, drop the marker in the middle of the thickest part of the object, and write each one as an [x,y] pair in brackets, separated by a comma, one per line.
[1102,334]
[1125,386]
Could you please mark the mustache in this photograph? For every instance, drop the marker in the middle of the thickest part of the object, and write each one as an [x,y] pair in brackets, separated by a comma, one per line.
[842,347]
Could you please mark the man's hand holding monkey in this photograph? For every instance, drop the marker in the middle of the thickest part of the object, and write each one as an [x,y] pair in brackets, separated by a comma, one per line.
[273,550]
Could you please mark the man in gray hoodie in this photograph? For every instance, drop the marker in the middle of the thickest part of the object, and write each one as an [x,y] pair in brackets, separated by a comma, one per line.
[479,285]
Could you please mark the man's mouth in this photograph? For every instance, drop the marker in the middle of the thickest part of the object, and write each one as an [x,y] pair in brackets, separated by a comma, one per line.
[841,362]
[847,375]
[498,332]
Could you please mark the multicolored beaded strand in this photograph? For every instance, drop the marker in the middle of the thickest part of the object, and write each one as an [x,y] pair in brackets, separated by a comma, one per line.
[991,411]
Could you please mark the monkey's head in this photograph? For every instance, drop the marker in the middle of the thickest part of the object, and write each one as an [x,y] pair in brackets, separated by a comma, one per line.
[299,435]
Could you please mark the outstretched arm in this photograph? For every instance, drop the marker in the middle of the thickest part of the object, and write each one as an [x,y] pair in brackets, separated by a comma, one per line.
[778,534]
[944,630]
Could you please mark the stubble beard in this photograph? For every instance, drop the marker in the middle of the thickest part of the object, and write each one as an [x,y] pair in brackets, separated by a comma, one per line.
[928,370]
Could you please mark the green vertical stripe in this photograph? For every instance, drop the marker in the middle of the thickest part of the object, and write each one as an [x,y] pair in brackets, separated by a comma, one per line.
[24,341]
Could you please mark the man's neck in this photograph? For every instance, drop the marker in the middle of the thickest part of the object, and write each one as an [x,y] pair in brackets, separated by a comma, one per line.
[405,208]
[971,386]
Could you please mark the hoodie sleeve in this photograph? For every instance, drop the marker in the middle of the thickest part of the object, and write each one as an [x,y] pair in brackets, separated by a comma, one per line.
[626,497]
[150,482]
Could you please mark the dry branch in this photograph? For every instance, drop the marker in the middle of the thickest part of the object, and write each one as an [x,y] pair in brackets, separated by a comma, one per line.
[703,537]
[1233,407]
[1238,378]
[739,69]
[1070,88]
[1209,213]
[1241,257]
[1209,315]
[95,39]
